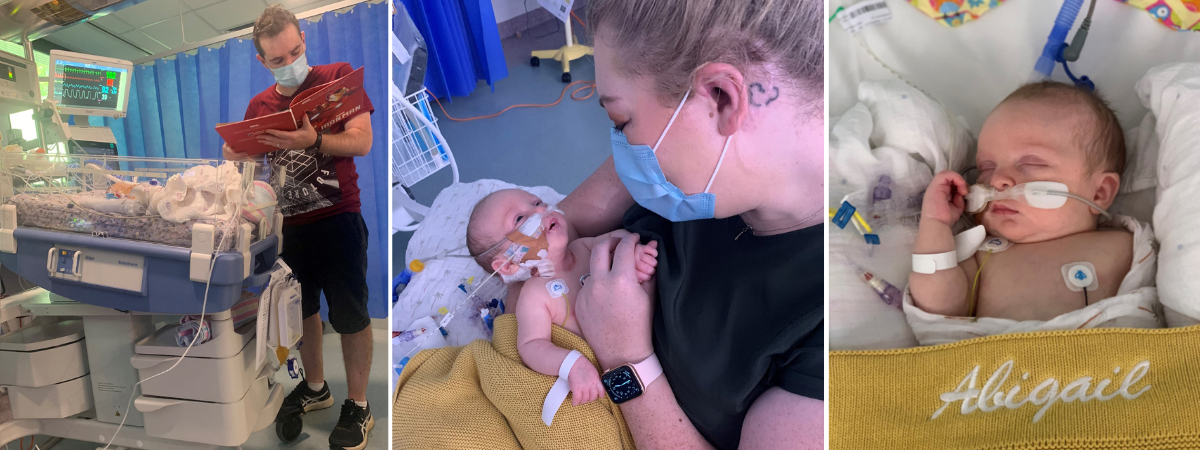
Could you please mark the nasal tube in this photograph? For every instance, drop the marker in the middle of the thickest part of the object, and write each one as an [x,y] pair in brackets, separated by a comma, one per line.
[1033,194]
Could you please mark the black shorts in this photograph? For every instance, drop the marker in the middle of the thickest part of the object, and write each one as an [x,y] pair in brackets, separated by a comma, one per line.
[330,256]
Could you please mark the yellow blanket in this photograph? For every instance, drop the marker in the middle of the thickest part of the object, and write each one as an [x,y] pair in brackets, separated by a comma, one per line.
[481,396]
[1112,388]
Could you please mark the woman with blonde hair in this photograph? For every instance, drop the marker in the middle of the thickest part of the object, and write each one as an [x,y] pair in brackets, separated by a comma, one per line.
[718,154]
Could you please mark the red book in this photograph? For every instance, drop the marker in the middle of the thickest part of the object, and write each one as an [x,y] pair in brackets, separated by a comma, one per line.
[325,105]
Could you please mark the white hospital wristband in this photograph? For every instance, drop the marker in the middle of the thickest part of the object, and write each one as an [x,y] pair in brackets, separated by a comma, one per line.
[928,264]
[558,392]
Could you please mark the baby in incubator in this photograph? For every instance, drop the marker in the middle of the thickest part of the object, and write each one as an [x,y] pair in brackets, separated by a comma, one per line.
[515,234]
[1050,159]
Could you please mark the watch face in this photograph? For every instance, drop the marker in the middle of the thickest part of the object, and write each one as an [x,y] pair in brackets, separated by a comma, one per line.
[621,384]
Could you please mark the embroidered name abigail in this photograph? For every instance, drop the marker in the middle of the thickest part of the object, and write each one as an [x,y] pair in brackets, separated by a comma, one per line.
[992,397]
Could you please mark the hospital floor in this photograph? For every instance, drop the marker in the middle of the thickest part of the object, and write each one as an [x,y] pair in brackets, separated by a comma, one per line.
[558,146]
[318,424]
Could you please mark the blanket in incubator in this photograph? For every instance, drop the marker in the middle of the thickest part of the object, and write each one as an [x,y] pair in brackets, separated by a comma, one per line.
[155,200]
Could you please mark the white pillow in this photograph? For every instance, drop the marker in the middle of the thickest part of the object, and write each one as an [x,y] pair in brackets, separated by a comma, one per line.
[1172,93]
[899,132]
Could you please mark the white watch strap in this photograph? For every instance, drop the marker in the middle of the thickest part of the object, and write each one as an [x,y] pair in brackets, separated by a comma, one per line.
[931,263]
[561,387]
[648,370]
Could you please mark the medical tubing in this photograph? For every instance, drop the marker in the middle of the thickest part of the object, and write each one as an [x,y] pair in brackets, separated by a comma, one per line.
[212,263]
[1071,52]
[425,336]
[1084,200]
[1058,36]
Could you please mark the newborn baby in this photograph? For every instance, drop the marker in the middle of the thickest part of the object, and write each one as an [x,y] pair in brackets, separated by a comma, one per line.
[1043,132]
[554,262]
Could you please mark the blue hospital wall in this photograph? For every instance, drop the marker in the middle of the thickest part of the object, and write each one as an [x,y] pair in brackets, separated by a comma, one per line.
[176,103]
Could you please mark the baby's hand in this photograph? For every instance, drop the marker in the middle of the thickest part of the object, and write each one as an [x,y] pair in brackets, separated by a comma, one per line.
[647,261]
[944,198]
[584,381]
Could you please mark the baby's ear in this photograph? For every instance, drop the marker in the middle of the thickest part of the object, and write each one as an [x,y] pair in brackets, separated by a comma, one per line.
[1106,188]
[505,266]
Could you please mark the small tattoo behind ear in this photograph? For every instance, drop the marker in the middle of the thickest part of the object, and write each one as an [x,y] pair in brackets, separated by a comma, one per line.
[761,98]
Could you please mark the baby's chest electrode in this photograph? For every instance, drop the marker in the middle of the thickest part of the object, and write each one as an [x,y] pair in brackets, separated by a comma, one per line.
[1080,276]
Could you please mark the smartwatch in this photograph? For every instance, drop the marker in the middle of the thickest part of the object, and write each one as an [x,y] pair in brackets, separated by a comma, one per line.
[627,382]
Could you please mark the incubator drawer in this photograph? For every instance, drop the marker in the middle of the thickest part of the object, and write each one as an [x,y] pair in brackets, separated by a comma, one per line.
[167,287]
[43,354]
[56,401]
[219,380]
[226,341]
[223,424]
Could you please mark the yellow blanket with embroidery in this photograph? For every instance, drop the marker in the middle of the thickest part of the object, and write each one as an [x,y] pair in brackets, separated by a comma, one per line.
[481,396]
[1114,388]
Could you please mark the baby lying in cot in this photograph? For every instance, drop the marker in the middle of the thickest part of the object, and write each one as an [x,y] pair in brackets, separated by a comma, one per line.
[502,226]
[1049,159]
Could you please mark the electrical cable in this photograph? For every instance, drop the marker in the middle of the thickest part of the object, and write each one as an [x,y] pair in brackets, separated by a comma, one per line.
[203,309]
[586,85]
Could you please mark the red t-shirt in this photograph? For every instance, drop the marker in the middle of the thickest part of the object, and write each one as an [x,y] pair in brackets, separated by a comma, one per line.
[317,185]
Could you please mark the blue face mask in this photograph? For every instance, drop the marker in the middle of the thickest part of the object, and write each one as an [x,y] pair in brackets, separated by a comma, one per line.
[293,74]
[638,168]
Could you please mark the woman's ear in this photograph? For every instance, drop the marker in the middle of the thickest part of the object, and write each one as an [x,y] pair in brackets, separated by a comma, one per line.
[1106,189]
[724,91]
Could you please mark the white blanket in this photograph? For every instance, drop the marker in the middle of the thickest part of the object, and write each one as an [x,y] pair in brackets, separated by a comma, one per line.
[898,132]
[1135,305]
[201,192]
[1172,93]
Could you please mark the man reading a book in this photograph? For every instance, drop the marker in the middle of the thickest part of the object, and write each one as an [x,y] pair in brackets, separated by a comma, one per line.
[324,235]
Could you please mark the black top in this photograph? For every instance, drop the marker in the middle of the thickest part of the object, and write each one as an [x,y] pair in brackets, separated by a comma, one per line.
[735,317]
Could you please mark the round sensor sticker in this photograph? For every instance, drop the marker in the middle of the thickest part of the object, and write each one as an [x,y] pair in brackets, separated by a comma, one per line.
[557,288]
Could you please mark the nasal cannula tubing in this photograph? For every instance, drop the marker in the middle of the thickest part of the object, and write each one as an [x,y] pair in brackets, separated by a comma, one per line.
[1084,200]
[1033,193]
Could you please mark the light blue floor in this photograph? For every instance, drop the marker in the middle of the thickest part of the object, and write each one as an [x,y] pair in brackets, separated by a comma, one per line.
[557,146]
[317,424]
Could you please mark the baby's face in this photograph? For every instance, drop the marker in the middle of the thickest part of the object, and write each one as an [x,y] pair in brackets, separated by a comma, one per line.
[1023,141]
[506,210]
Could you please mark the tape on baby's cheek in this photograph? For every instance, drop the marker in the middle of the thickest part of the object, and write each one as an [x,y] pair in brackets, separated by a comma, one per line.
[533,245]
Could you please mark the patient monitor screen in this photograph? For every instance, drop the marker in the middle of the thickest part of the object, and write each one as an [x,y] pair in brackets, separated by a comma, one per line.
[90,86]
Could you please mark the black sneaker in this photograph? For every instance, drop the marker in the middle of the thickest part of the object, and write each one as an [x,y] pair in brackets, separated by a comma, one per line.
[303,400]
[352,428]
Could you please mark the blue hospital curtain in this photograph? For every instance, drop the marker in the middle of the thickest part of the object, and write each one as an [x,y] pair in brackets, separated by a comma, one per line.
[464,44]
[175,103]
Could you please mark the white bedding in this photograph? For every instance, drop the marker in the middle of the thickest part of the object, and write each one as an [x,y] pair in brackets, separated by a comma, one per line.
[436,287]
[895,131]
[1172,93]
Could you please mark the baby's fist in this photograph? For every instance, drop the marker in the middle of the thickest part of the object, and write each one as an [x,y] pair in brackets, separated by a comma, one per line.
[584,381]
[944,198]
[647,261]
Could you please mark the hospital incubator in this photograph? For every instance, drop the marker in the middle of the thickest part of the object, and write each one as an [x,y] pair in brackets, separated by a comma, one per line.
[113,250]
